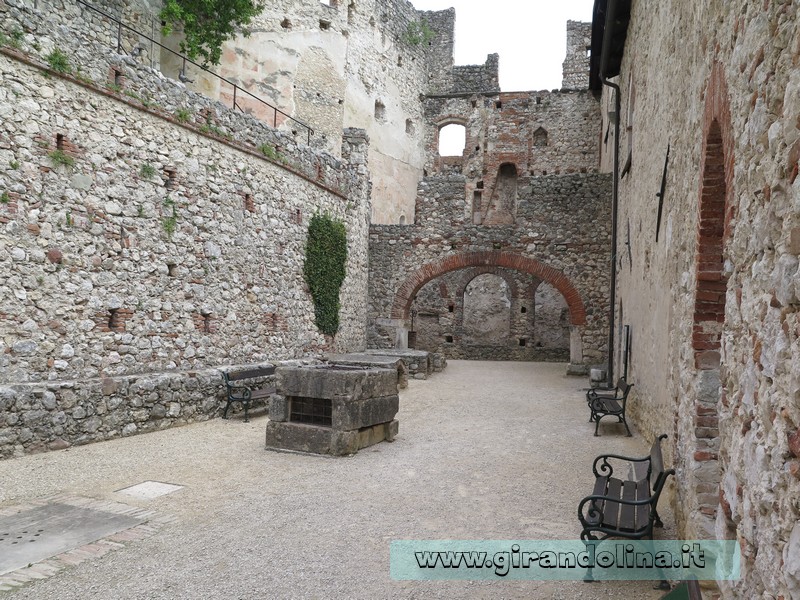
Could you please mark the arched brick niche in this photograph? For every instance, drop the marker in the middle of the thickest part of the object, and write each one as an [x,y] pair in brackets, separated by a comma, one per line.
[408,290]
[715,207]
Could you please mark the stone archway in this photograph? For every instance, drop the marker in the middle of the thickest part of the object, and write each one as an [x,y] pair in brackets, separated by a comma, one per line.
[407,291]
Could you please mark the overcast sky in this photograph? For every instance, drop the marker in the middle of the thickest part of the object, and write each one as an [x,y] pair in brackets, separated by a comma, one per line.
[529,35]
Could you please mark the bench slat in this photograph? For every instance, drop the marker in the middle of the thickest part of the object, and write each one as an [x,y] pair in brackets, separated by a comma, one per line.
[642,512]
[627,517]
[611,509]
[251,373]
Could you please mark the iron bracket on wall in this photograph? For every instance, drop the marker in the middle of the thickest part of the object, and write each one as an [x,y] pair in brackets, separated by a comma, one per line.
[660,194]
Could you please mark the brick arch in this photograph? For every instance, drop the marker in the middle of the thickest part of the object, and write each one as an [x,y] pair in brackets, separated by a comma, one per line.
[509,260]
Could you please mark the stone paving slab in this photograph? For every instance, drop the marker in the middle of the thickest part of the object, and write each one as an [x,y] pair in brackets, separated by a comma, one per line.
[36,534]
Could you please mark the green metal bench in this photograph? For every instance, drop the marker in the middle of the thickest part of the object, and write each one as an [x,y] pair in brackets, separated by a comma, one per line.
[609,403]
[241,391]
[624,506]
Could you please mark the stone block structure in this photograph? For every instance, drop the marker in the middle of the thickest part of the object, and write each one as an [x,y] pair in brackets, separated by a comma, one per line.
[708,272]
[332,409]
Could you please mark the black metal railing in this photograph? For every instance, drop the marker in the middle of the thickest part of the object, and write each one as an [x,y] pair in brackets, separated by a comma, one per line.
[182,76]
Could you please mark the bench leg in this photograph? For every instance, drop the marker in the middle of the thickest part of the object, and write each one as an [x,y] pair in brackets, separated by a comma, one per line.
[624,422]
[247,406]
[597,424]
[225,412]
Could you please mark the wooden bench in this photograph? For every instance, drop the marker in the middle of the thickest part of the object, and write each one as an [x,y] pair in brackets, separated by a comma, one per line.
[624,505]
[610,403]
[247,392]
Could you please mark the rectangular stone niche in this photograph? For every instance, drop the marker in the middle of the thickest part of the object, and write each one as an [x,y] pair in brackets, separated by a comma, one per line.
[332,409]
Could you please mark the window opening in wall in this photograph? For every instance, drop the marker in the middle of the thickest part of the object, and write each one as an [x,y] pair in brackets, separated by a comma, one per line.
[452,140]
[538,99]
[172,177]
[498,104]
[249,203]
[172,269]
[59,141]
[331,3]
[380,110]
[114,321]
[402,219]
[451,308]
[448,339]
[324,25]
[410,127]
[116,76]
[286,24]
[523,342]
[399,61]
[479,185]
[540,137]
[523,310]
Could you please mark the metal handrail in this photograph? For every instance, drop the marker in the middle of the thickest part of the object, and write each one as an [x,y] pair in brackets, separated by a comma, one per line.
[236,88]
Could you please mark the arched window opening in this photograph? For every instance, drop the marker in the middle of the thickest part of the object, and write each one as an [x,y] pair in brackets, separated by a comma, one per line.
[540,137]
[452,140]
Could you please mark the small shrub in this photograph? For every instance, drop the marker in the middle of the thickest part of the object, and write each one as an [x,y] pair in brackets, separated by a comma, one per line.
[147,171]
[183,115]
[170,224]
[268,151]
[59,157]
[114,87]
[4,198]
[418,32]
[58,61]
[14,164]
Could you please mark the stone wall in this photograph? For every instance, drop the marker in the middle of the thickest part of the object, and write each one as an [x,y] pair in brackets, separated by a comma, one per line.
[713,300]
[560,235]
[536,133]
[144,230]
[576,63]
[338,65]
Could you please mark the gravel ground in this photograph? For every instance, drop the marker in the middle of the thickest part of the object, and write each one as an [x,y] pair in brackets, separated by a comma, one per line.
[486,450]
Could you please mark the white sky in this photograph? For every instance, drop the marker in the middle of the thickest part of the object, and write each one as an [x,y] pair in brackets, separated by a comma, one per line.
[529,35]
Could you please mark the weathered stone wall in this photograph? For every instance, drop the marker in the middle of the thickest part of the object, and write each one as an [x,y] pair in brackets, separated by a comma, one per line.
[713,304]
[532,133]
[338,65]
[576,63]
[560,235]
[166,244]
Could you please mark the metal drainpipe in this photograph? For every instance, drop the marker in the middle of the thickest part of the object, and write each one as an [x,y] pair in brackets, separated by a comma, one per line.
[610,11]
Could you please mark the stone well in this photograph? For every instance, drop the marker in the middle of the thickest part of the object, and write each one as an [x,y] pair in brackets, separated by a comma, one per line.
[332,409]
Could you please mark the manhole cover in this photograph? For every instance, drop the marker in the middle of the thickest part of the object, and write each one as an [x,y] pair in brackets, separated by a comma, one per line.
[150,489]
[39,533]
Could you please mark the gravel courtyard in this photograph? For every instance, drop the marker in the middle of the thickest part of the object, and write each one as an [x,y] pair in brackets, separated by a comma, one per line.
[486,450]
